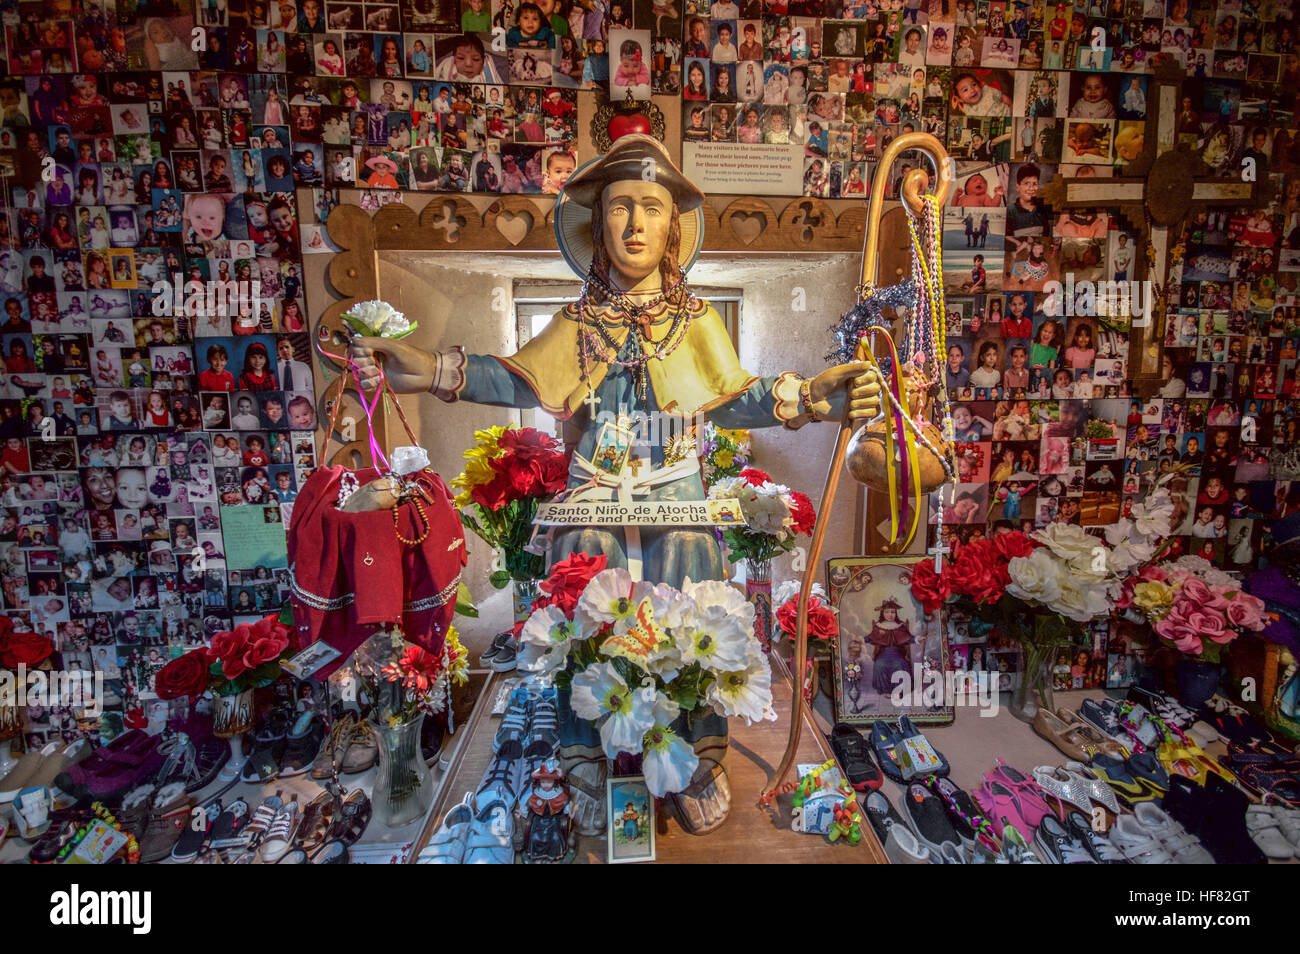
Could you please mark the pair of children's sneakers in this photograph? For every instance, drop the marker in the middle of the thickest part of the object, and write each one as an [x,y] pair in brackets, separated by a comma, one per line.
[502,654]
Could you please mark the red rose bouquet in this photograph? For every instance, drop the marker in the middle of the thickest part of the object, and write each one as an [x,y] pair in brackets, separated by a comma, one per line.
[246,657]
[508,472]
[1037,589]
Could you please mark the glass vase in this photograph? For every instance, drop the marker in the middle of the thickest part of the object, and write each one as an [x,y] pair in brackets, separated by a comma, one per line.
[758,590]
[1035,688]
[403,788]
[525,594]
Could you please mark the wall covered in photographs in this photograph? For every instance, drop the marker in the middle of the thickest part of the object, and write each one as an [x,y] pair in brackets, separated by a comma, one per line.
[151,460]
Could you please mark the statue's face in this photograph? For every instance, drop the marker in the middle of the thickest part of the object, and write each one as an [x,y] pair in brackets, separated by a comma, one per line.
[637,218]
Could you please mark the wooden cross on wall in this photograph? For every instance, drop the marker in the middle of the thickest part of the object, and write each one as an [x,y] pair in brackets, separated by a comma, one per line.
[1158,189]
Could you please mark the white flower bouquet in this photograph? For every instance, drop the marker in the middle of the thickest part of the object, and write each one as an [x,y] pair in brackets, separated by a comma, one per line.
[378,319]
[638,657]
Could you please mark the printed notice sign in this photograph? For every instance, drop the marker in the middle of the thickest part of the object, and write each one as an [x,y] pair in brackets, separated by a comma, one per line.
[649,513]
[741,168]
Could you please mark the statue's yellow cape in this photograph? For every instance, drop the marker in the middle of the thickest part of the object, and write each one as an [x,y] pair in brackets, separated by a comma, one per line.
[701,373]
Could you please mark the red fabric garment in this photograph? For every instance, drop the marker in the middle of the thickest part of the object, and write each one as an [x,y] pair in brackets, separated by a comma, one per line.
[356,561]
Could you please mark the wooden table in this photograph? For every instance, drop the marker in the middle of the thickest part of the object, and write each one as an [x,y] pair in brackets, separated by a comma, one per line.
[751,834]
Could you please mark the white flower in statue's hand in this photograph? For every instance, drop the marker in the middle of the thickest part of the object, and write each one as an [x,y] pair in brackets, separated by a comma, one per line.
[667,760]
[611,597]
[1151,517]
[378,319]
[599,694]
[746,692]
[545,639]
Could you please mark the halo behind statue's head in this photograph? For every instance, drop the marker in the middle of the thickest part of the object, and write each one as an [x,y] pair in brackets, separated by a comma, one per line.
[632,157]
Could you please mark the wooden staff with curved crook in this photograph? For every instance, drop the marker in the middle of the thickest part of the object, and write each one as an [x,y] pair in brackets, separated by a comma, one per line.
[911,189]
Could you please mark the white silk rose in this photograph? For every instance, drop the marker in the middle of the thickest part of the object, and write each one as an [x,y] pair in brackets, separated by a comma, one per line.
[1035,578]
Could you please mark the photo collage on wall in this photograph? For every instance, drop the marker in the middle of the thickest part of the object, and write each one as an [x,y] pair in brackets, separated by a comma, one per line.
[155,433]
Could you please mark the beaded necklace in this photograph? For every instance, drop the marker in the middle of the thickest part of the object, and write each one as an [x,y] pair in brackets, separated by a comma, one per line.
[597,345]
[925,327]
[926,333]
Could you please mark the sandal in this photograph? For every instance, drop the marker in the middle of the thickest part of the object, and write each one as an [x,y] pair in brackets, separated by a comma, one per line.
[317,819]
[851,750]
[1060,785]
[1098,790]
[354,816]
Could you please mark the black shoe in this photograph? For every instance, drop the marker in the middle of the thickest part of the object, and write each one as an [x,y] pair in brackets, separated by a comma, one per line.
[1216,814]
[499,642]
[929,820]
[1097,844]
[1057,846]
[270,741]
[854,756]
[300,749]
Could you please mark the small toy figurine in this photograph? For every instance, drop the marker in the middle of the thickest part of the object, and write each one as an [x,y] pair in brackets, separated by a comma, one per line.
[546,825]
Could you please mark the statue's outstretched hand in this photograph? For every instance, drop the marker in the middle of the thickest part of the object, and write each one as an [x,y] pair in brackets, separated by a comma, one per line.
[864,393]
[409,370]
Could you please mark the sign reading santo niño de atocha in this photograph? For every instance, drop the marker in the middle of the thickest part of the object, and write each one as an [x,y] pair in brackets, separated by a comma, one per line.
[649,513]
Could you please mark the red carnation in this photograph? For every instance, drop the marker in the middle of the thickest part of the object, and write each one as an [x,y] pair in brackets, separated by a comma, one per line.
[495,494]
[1013,544]
[570,577]
[930,588]
[526,439]
[754,477]
[802,514]
[186,675]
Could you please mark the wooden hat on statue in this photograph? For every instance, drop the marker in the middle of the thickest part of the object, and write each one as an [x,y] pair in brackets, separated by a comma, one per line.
[631,157]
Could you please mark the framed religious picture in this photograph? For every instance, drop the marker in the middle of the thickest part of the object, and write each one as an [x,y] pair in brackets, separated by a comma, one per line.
[889,660]
[630,809]
[613,444]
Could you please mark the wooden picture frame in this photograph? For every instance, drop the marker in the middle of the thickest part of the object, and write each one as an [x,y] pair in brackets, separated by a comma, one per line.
[620,793]
[867,664]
